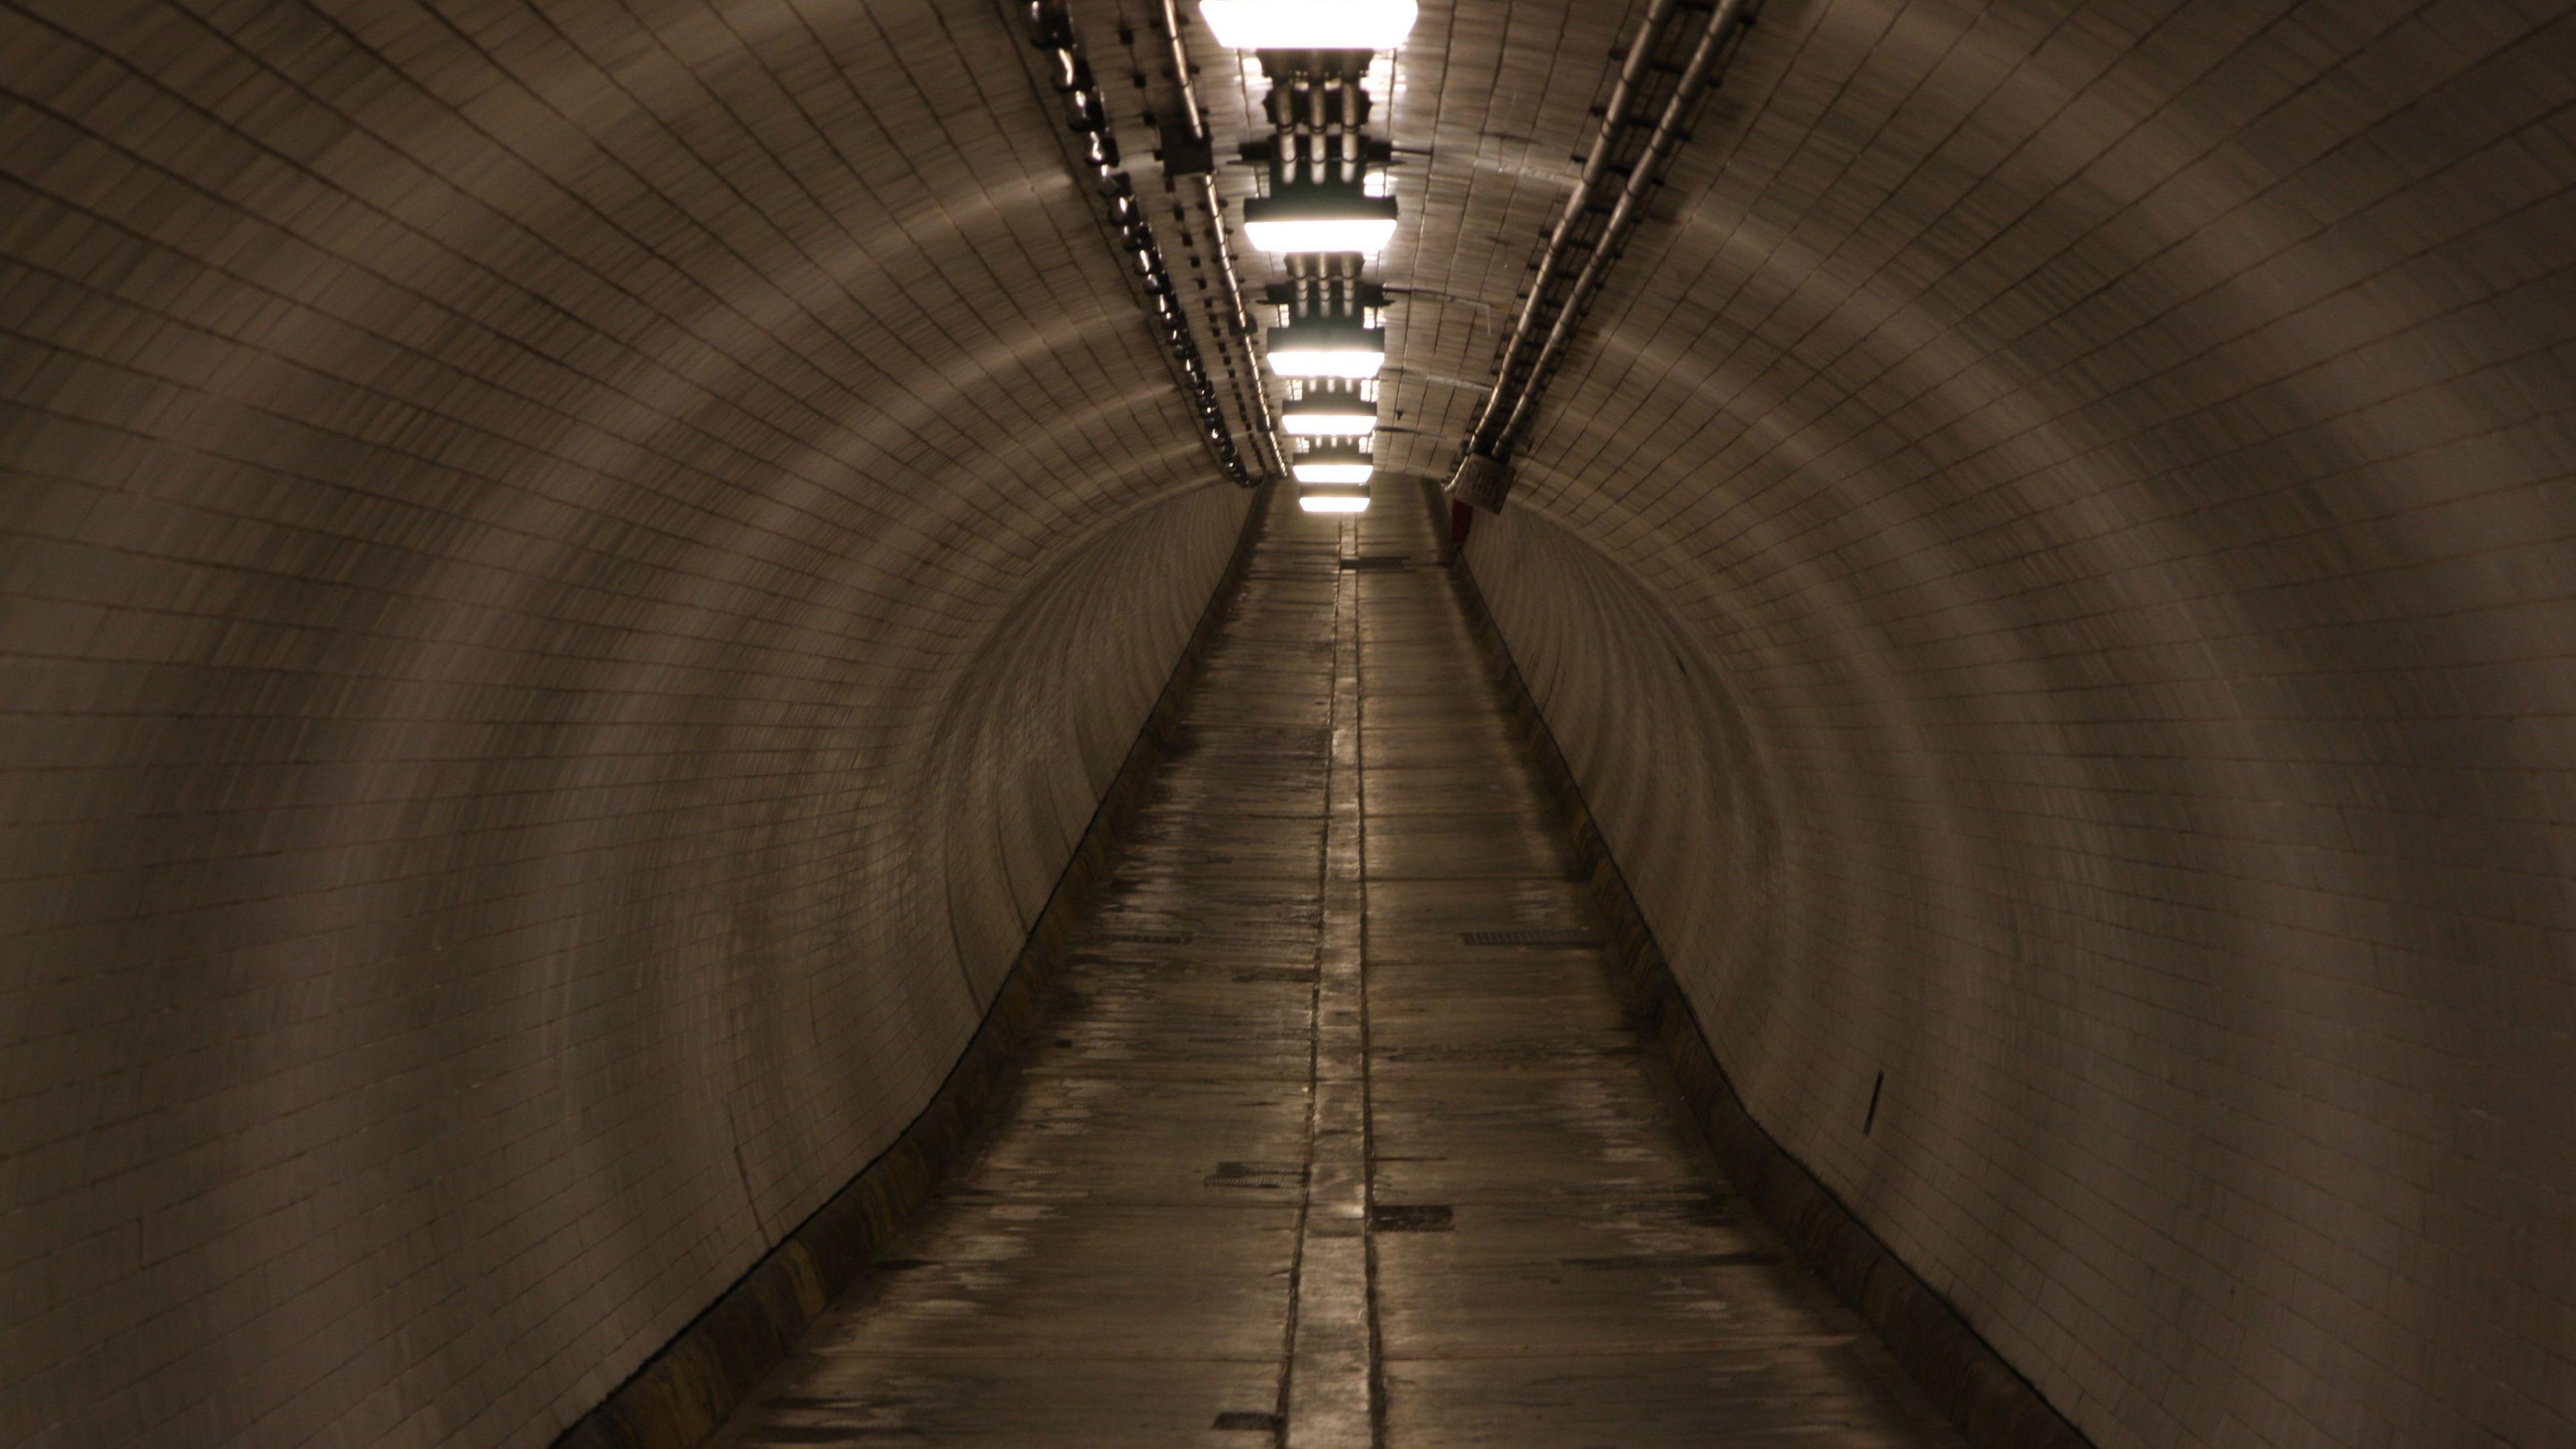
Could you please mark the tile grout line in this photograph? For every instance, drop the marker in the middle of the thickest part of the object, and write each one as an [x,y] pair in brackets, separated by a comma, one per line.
[1332,1383]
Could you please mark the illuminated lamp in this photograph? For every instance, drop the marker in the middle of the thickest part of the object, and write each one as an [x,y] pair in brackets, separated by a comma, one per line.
[1318,216]
[1326,348]
[1333,497]
[1309,24]
[1321,411]
[1339,461]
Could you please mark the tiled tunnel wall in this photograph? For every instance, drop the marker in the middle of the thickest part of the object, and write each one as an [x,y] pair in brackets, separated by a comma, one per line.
[568,573]
[569,577]
[2054,570]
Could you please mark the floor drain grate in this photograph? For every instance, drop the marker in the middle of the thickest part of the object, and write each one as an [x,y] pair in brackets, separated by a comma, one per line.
[1529,938]
[1149,938]
[1411,1218]
[1377,561]
[1267,1423]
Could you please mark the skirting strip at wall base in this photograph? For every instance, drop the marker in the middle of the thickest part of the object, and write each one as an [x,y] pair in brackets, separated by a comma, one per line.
[684,1393]
[1991,1403]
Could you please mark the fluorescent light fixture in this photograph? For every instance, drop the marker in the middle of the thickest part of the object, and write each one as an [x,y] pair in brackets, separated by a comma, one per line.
[1309,217]
[1333,497]
[1328,424]
[1309,24]
[1314,349]
[1319,409]
[1367,235]
[1327,361]
[1331,472]
[1334,462]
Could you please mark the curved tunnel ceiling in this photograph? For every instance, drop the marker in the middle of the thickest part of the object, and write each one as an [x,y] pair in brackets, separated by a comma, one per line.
[575,571]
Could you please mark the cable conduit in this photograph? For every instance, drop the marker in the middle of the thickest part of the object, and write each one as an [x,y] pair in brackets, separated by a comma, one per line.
[1546,324]
[1275,456]
[1725,22]
[1614,119]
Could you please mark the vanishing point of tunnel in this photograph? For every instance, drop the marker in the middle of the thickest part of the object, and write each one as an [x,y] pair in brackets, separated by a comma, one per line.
[1288,724]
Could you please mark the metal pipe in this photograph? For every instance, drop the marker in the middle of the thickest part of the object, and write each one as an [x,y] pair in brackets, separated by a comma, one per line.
[1723,24]
[1614,119]
[1215,204]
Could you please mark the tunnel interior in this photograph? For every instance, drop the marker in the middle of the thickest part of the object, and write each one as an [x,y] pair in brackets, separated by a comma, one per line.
[574,576]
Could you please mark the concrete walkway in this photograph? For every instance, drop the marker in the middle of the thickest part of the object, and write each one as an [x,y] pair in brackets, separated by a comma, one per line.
[1339,1138]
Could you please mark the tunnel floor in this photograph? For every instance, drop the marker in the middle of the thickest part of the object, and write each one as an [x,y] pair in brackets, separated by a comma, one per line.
[1308,1156]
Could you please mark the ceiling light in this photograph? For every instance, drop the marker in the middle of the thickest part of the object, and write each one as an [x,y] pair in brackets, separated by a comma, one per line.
[1325,349]
[1318,423]
[1333,497]
[1326,362]
[1320,409]
[1309,24]
[1319,217]
[1332,472]
[1367,235]
[1335,461]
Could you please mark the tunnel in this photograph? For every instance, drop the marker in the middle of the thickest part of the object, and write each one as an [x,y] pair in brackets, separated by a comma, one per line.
[711,738]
